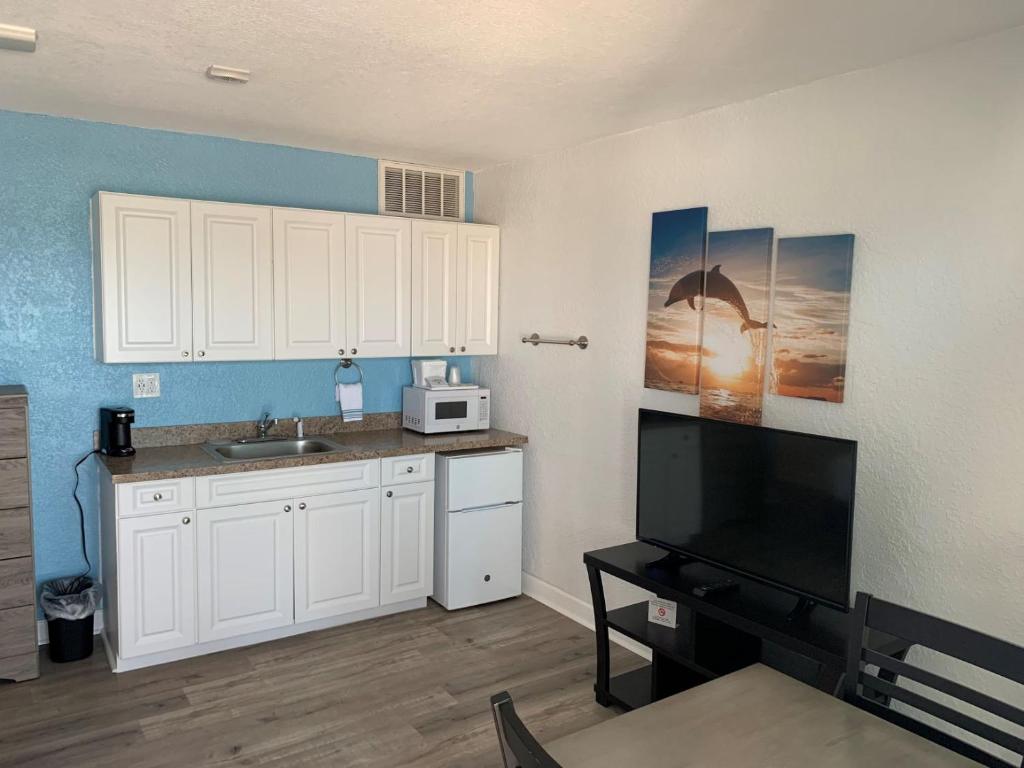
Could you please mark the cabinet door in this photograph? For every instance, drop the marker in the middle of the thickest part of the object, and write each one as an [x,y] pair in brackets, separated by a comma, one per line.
[406,542]
[244,569]
[156,587]
[478,289]
[309,284]
[232,282]
[143,269]
[434,297]
[337,554]
[377,265]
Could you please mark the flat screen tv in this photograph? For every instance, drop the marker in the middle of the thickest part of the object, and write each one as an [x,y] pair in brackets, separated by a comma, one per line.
[768,504]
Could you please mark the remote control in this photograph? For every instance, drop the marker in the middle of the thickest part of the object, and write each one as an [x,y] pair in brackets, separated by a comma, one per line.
[722,585]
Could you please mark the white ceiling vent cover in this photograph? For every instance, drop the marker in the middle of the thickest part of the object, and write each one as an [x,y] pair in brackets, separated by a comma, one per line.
[422,191]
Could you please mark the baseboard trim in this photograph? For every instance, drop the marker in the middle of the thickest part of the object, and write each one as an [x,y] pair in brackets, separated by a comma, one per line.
[578,610]
[43,631]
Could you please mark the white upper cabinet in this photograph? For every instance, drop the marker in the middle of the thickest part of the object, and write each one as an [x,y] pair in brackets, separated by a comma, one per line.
[143,273]
[377,272]
[309,284]
[478,265]
[435,246]
[232,282]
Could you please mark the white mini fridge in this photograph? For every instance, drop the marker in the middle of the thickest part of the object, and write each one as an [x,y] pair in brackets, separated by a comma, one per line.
[478,527]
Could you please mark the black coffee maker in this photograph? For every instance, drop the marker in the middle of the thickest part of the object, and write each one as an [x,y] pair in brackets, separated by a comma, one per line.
[116,431]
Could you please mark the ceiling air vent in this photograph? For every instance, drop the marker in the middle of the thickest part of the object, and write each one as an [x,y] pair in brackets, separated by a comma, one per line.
[421,191]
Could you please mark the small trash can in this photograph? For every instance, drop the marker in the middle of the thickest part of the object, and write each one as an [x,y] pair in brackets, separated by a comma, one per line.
[70,606]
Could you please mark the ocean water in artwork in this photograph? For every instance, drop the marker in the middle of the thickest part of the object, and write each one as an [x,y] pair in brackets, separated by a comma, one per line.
[735,338]
[674,324]
[811,315]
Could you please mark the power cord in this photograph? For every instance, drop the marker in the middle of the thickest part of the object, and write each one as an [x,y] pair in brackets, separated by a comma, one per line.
[81,512]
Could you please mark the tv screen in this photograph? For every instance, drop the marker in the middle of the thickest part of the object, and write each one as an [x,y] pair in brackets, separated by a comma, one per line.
[766,503]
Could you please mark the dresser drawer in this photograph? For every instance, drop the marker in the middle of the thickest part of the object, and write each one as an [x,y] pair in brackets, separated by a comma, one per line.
[17,582]
[13,483]
[396,470]
[277,484]
[17,631]
[156,496]
[15,533]
[13,442]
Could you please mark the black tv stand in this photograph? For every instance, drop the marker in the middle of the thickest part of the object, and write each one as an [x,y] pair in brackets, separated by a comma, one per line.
[804,605]
[718,633]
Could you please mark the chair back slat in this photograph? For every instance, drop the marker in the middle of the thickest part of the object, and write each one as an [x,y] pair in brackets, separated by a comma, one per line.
[968,645]
[950,687]
[941,711]
[875,691]
[519,749]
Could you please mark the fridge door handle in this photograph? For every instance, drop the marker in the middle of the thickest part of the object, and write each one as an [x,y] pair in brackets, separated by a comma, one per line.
[486,506]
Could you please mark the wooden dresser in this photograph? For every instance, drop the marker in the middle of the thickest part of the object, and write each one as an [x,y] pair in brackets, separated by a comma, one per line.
[19,653]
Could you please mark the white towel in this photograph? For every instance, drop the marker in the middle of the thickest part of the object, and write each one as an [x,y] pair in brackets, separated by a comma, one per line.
[350,399]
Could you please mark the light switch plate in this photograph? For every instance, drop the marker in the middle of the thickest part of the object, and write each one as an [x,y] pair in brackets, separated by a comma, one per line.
[146,384]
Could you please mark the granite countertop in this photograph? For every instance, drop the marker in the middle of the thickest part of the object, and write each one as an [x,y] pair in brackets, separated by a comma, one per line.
[164,462]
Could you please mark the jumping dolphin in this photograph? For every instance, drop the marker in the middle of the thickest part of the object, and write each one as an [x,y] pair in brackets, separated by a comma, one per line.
[717,286]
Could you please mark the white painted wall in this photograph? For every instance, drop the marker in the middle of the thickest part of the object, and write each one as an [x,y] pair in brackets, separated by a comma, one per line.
[923,160]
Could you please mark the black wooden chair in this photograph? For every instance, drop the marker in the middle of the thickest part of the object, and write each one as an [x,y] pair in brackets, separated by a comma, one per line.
[873,691]
[518,747]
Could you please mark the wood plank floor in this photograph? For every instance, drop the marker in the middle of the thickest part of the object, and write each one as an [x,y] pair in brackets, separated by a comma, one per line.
[406,690]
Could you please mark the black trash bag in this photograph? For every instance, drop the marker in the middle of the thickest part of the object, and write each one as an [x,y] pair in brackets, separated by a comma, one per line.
[71,598]
[70,605]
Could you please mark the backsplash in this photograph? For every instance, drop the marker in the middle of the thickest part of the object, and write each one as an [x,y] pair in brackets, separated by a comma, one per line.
[52,166]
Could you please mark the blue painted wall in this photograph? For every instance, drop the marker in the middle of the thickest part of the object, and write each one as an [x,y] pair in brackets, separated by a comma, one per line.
[51,167]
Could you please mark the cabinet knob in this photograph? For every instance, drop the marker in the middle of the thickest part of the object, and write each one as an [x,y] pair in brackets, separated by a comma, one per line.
[186,520]
[202,353]
[355,351]
[302,505]
[287,507]
[390,494]
[410,470]
[341,352]
[451,349]
[462,349]
[157,496]
[184,353]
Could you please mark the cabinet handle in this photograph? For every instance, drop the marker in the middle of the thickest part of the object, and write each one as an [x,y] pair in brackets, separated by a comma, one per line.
[157,496]
[341,352]
[184,354]
[451,349]
[355,351]
[186,520]
[302,505]
[390,494]
[462,349]
[202,353]
[410,470]
[287,507]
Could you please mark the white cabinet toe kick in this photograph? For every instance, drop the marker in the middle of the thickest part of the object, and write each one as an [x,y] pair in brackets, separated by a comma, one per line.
[198,565]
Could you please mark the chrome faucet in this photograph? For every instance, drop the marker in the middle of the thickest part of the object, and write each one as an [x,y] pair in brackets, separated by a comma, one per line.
[264,425]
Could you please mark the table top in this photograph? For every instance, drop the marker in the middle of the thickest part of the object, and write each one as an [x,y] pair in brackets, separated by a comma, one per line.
[753,717]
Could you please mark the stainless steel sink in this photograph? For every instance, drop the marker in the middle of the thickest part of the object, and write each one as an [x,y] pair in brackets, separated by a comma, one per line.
[269,449]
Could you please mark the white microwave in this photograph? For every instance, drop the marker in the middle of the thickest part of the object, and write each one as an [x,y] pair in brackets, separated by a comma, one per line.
[445,410]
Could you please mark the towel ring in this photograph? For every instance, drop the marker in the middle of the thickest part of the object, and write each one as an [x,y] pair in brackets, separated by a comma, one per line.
[344,365]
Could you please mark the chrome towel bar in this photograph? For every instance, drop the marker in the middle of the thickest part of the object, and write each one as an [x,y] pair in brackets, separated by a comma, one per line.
[535,339]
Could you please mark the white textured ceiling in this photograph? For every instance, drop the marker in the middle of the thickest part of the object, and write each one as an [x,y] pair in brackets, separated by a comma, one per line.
[466,83]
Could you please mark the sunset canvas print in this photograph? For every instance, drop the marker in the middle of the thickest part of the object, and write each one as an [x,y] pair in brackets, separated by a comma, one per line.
[678,251]
[811,315]
[735,336]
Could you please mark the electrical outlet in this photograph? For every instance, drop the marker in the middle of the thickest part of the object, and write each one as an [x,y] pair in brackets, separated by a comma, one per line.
[146,384]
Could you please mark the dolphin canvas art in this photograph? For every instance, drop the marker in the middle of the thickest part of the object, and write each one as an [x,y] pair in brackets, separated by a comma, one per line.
[812,297]
[736,297]
[678,250]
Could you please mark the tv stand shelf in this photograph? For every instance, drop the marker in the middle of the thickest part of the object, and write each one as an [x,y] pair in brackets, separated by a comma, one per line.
[717,634]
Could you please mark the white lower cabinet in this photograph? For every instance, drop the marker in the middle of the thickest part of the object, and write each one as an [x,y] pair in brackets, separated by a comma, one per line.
[156,583]
[337,554]
[406,542]
[244,569]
